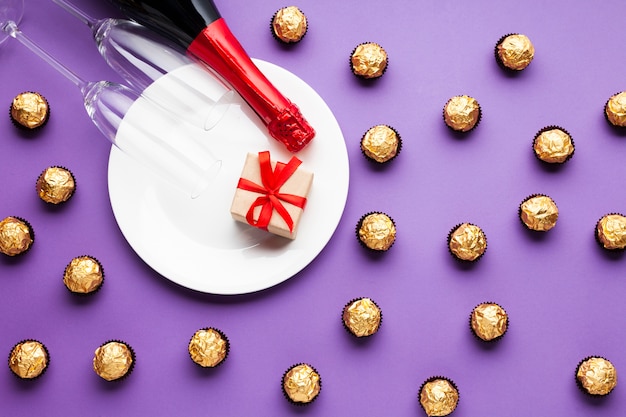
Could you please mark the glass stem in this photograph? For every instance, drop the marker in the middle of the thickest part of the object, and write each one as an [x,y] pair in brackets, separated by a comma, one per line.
[13,31]
[76,12]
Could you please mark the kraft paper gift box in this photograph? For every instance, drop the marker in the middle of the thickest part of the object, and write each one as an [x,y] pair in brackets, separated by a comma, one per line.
[271,195]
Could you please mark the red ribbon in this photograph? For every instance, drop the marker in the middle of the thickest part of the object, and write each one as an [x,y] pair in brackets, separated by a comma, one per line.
[272,197]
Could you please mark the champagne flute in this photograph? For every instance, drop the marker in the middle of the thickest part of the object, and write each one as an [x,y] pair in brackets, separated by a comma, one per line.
[141,56]
[172,150]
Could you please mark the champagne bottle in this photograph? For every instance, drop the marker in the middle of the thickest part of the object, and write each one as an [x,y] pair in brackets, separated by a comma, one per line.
[198,26]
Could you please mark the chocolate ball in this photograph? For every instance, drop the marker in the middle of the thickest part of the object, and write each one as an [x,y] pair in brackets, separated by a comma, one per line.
[29,110]
[208,347]
[461,113]
[362,317]
[369,60]
[515,52]
[301,384]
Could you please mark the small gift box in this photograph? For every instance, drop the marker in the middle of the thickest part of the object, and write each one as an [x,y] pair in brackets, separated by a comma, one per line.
[271,195]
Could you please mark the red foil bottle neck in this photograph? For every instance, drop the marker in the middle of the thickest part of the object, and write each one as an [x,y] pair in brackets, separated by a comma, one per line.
[218,47]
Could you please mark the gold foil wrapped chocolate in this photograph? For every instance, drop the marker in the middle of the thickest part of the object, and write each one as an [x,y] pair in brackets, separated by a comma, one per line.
[55,185]
[611,231]
[28,359]
[596,376]
[615,109]
[515,52]
[83,275]
[369,60]
[208,347]
[553,145]
[29,110]
[539,213]
[438,397]
[489,321]
[362,317]
[16,236]
[381,143]
[301,384]
[461,113]
[467,242]
[113,360]
[376,231]
[289,24]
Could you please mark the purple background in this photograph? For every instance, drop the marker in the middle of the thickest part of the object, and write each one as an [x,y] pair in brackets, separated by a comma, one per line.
[564,295]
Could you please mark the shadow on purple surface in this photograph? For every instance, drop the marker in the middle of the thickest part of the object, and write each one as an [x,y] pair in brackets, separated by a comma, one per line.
[598,402]
[174,288]
[26,385]
[458,135]
[536,236]
[552,168]
[611,255]
[14,260]
[615,131]
[463,265]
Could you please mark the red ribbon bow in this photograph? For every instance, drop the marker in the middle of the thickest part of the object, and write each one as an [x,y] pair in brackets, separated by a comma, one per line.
[272,197]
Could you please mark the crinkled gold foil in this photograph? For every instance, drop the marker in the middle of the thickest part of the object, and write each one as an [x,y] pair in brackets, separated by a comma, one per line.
[55,185]
[113,360]
[28,359]
[461,113]
[516,52]
[15,236]
[362,317]
[615,109]
[597,376]
[302,384]
[29,110]
[467,242]
[489,321]
[377,231]
[83,275]
[380,143]
[439,397]
[553,146]
[208,348]
[611,231]
[369,60]
[289,24]
[539,213]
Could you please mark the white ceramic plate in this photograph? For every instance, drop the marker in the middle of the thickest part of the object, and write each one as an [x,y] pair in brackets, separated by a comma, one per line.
[195,242]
